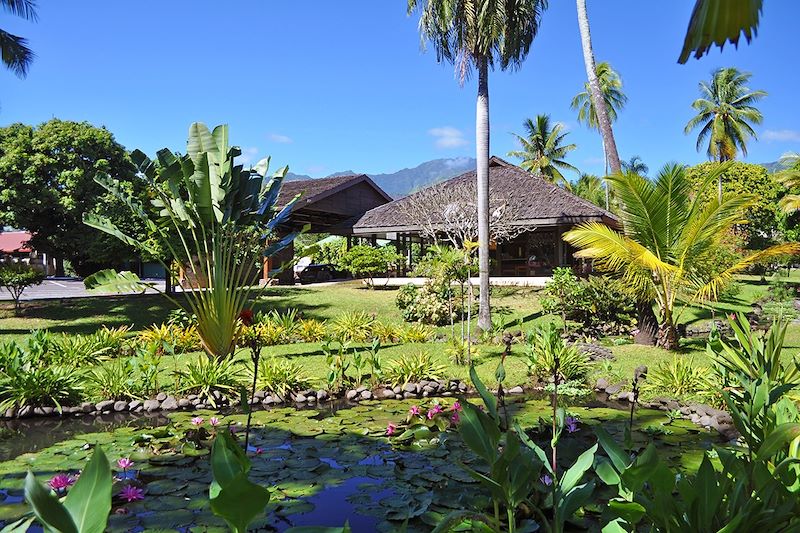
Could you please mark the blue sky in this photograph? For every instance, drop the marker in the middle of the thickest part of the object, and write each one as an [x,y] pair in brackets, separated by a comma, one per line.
[331,86]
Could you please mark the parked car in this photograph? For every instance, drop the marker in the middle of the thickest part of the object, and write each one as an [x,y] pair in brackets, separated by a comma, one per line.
[316,273]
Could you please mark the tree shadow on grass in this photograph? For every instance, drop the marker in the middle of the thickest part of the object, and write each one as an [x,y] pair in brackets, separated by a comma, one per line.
[87,315]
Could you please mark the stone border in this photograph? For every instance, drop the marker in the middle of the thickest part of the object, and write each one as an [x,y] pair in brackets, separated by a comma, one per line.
[703,415]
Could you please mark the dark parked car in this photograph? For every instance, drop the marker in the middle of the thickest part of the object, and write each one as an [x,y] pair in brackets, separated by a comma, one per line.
[317,273]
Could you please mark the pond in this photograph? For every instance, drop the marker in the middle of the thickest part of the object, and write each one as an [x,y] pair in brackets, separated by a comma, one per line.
[323,467]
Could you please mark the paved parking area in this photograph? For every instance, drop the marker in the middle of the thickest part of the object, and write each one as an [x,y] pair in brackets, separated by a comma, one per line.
[64,288]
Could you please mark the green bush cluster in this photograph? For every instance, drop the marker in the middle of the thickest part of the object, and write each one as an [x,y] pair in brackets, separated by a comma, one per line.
[428,304]
[600,305]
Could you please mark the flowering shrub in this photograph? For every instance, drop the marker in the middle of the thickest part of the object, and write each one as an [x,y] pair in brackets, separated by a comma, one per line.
[426,304]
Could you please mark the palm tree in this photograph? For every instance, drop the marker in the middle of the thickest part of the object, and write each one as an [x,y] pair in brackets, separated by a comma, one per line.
[543,151]
[790,178]
[635,165]
[666,232]
[595,89]
[611,89]
[725,113]
[17,57]
[480,34]
[714,22]
[589,187]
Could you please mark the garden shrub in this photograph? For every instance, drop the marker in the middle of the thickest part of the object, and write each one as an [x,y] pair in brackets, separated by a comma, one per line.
[171,337]
[79,350]
[368,261]
[414,368]
[281,376]
[113,381]
[679,377]
[311,330]
[544,344]
[386,332]
[415,333]
[427,304]
[34,377]
[353,326]
[204,375]
[600,305]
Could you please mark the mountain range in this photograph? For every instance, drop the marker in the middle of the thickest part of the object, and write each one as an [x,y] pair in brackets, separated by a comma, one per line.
[408,180]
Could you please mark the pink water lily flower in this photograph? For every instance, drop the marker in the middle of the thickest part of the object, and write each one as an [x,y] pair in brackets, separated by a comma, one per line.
[197,421]
[61,482]
[390,429]
[130,493]
[455,419]
[214,421]
[457,406]
[436,409]
[414,410]
[124,463]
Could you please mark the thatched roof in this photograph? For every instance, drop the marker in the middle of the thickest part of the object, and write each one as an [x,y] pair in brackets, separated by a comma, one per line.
[538,201]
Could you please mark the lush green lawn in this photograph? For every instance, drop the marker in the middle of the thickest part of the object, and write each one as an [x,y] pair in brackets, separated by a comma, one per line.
[328,302]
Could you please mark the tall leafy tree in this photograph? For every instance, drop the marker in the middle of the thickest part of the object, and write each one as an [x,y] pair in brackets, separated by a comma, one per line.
[543,149]
[16,55]
[790,178]
[666,233]
[601,107]
[47,185]
[725,114]
[480,34]
[636,166]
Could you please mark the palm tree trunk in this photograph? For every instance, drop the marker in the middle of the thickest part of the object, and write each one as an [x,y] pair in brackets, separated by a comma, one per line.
[482,156]
[647,323]
[594,87]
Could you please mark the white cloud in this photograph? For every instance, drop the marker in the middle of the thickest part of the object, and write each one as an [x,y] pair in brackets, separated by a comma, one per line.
[278,138]
[781,135]
[248,155]
[448,137]
[594,161]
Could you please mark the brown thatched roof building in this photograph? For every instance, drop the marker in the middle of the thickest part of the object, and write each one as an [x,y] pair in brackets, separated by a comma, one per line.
[541,212]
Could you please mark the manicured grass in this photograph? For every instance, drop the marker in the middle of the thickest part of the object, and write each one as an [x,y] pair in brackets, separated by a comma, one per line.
[519,308]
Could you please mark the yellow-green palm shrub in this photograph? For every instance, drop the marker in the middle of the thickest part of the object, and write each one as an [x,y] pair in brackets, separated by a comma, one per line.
[214,217]
[664,236]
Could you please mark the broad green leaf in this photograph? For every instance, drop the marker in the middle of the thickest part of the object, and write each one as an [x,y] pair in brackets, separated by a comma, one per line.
[578,469]
[109,280]
[89,500]
[779,438]
[239,502]
[614,451]
[631,512]
[20,526]
[606,472]
[575,499]
[48,510]
[488,398]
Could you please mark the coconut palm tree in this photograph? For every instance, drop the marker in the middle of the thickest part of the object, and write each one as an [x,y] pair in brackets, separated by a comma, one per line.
[602,113]
[589,187]
[666,232]
[790,178]
[636,166]
[725,113]
[543,151]
[714,22]
[480,34]
[611,89]
[16,55]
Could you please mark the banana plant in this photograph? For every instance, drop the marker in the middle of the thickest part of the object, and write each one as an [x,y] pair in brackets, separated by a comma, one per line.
[215,218]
